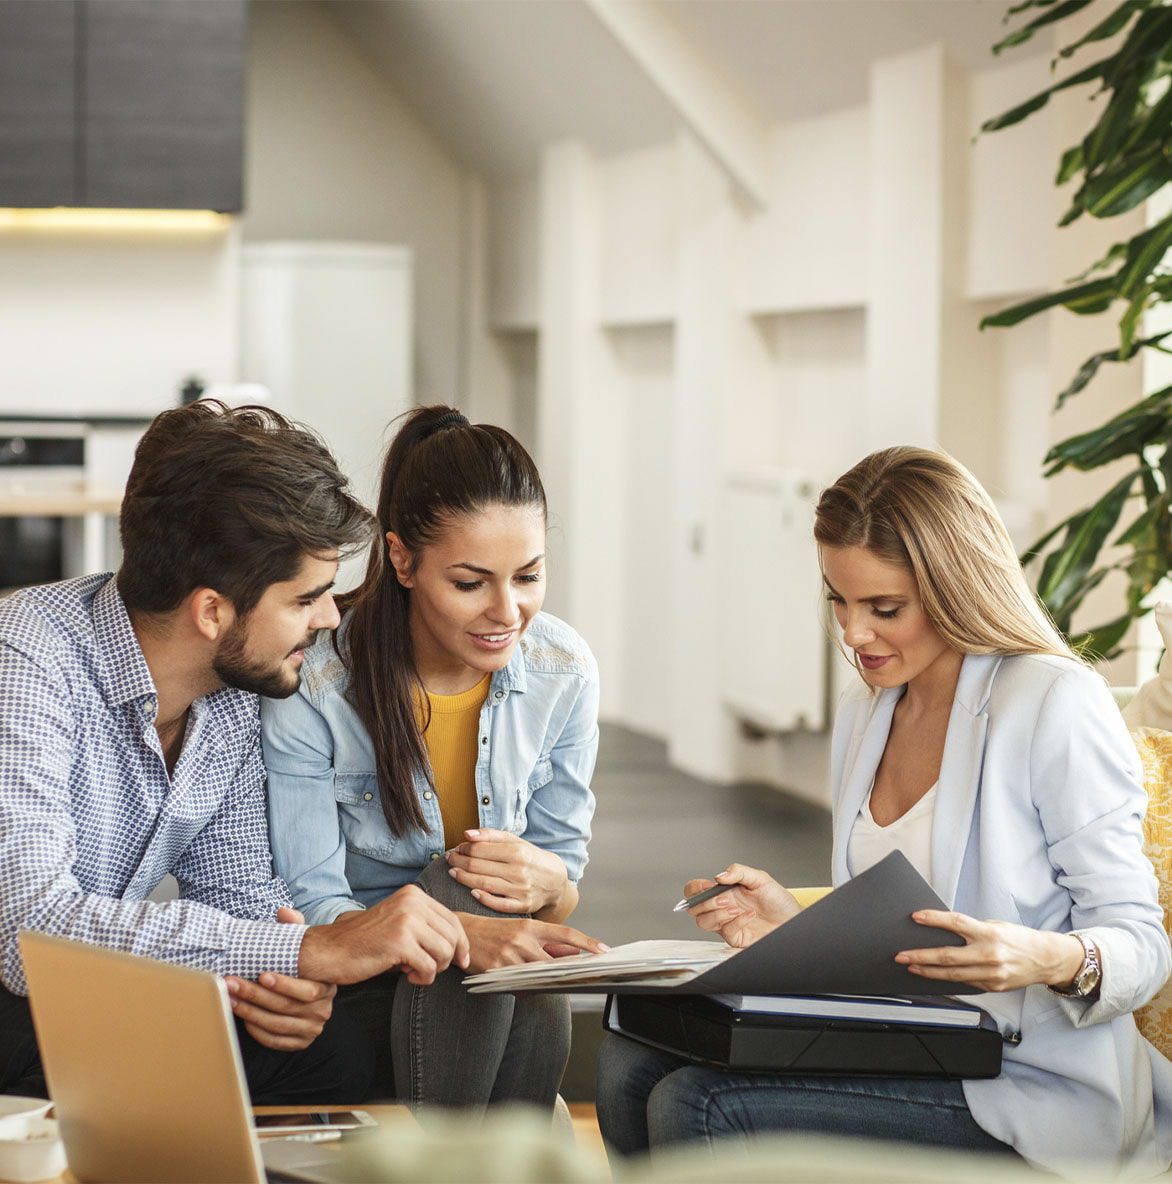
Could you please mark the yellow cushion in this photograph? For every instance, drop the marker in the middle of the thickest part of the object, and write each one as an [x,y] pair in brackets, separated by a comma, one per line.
[1155,750]
[808,896]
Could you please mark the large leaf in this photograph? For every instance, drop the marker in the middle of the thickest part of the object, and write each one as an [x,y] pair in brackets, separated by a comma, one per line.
[1121,188]
[1102,641]
[1117,119]
[1065,613]
[1018,113]
[1144,254]
[1082,544]
[1129,322]
[1025,6]
[1070,164]
[1116,254]
[1057,13]
[1090,367]
[1108,27]
[1154,124]
[1127,434]
[1148,39]
[1085,298]
[1144,524]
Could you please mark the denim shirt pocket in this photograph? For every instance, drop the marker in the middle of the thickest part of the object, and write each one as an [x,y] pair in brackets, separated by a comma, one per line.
[360,815]
[542,774]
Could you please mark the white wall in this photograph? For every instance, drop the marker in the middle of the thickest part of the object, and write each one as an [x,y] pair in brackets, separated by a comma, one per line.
[841,317]
[334,153]
[112,322]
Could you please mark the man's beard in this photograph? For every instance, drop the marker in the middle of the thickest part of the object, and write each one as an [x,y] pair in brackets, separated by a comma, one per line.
[235,669]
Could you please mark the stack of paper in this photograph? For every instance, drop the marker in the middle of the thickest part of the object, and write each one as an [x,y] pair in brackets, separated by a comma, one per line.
[639,963]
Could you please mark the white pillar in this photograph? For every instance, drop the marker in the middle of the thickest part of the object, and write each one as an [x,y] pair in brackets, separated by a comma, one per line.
[579,428]
[701,731]
[915,235]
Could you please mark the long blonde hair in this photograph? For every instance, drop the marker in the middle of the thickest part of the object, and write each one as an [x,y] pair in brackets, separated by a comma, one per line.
[927,513]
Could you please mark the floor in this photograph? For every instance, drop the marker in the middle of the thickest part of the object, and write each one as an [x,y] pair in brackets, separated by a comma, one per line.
[656,828]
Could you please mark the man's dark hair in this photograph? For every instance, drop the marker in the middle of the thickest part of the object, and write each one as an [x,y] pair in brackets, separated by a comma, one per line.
[231,499]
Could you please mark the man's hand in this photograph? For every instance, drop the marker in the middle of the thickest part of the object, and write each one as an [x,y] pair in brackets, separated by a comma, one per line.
[501,941]
[756,906]
[407,930]
[280,1012]
[508,873]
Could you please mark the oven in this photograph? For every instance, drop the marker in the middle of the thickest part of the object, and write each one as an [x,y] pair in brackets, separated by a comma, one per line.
[40,463]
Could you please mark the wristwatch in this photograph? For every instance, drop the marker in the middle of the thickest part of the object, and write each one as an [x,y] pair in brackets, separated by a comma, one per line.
[1090,973]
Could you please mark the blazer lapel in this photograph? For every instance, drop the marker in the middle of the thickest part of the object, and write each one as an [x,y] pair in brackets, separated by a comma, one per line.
[864,755]
[960,772]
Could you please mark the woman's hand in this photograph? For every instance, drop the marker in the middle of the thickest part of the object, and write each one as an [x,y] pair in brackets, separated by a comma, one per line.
[755,907]
[503,941]
[996,956]
[508,873]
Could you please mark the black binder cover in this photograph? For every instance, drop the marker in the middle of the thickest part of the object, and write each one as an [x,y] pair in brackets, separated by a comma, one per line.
[700,1030]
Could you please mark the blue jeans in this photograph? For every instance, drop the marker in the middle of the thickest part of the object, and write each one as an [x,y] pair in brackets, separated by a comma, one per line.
[649,1099]
[440,1046]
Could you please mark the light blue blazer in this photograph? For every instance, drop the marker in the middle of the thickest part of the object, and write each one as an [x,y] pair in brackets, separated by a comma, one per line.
[1039,820]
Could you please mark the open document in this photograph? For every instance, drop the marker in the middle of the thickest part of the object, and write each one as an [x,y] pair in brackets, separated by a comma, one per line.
[844,944]
[637,964]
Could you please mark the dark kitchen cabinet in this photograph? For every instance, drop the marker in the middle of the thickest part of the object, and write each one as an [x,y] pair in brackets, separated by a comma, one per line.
[37,103]
[123,103]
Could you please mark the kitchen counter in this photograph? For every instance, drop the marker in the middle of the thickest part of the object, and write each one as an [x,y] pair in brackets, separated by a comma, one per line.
[63,504]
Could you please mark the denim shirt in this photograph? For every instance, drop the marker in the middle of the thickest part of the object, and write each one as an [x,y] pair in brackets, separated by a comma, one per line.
[538,738]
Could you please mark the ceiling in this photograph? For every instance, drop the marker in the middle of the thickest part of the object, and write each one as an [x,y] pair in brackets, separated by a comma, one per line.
[498,79]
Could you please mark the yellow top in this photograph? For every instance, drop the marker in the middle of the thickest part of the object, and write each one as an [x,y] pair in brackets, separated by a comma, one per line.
[451,747]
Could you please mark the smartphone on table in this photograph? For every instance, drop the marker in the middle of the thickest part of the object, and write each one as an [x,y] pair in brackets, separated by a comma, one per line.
[307,1122]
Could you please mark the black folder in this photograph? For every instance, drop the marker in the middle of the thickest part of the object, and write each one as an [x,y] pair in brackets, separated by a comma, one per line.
[700,1030]
[843,944]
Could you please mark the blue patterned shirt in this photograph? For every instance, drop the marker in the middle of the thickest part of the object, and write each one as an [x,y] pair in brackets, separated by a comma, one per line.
[90,819]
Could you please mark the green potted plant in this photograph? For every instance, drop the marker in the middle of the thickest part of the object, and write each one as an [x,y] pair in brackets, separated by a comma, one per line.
[1125,158]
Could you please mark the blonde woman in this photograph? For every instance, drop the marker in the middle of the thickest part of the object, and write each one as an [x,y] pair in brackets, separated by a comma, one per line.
[987,752]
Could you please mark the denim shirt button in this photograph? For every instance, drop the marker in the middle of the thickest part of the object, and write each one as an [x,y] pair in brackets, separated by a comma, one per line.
[435,855]
[366,797]
[483,739]
[427,795]
[499,695]
[486,800]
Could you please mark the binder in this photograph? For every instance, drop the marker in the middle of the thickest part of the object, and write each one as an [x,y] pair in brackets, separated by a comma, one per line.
[700,1030]
[844,944]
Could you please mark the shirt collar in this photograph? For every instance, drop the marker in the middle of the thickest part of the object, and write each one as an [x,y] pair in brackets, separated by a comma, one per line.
[123,672]
[512,677]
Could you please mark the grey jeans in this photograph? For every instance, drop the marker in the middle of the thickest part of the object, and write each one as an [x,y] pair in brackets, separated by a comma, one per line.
[442,1046]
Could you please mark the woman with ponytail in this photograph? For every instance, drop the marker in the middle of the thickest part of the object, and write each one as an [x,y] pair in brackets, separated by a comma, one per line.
[445,736]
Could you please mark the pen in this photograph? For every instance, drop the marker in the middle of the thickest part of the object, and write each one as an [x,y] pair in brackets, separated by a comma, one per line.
[700,897]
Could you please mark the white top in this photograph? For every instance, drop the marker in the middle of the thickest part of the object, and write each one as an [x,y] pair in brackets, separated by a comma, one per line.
[910,833]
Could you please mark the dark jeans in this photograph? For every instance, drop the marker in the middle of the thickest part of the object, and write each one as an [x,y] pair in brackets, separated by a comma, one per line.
[335,1069]
[442,1046]
[648,1098]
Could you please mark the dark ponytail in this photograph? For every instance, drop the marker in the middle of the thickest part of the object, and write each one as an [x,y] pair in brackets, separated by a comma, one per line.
[438,467]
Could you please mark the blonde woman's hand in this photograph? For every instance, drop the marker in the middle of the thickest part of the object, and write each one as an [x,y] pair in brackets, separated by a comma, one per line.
[756,906]
[996,956]
[508,873]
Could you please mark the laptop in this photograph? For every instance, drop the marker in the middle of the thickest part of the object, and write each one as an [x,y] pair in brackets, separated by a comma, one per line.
[145,1073]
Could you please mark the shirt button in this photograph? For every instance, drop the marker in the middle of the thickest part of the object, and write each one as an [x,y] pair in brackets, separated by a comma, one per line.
[435,855]
[367,796]
[486,800]
[427,795]
[499,695]
[483,739]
